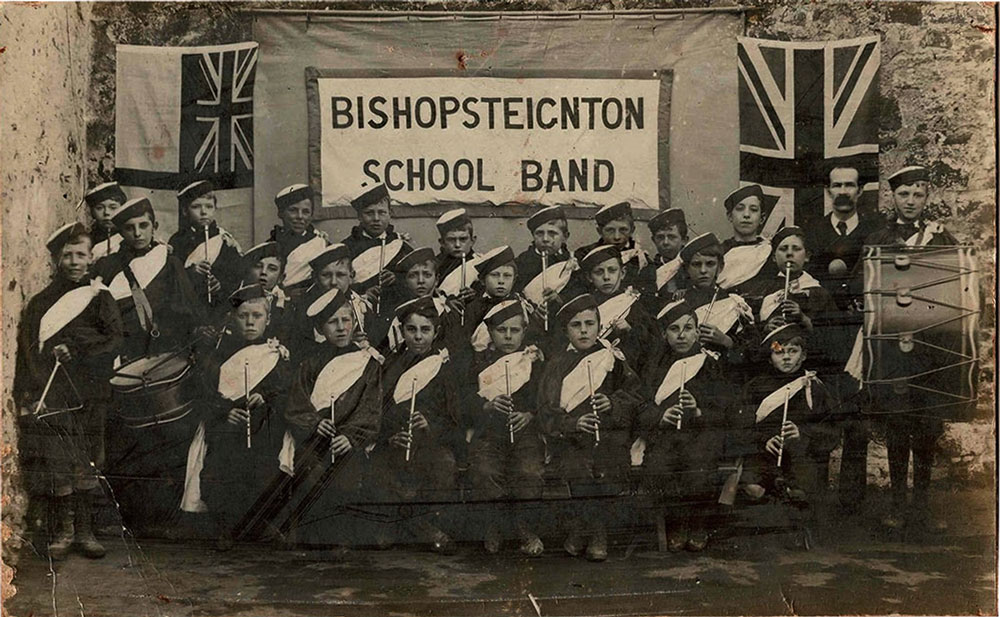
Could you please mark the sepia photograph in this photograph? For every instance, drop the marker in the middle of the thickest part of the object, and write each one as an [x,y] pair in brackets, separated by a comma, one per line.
[532,308]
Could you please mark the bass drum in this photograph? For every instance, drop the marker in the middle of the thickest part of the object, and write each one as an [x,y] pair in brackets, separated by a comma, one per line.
[921,328]
[154,390]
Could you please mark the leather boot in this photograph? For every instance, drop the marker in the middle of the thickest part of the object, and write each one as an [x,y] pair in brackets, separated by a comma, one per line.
[62,537]
[86,543]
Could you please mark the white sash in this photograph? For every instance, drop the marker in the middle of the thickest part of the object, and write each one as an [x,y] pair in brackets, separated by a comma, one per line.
[493,379]
[259,361]
[297,267]
[145,269]
[101,249]
[452,283]
[672,380]
[576,386]
[855,363]
[666,272]
[725,312]
[209,254]
[617,308]
[191,499]
[771,301]
[776,399]
[637,254]
[366,265]
[742,263]
[67,308]
[924,236]
[556,277]
[416,378]
[338,376]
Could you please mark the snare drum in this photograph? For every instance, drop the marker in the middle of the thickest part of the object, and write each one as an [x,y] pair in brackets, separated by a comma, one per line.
[921,327]
[154,390]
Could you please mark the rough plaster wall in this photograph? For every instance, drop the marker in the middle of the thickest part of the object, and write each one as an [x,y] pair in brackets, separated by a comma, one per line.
[45,65]
[937,101]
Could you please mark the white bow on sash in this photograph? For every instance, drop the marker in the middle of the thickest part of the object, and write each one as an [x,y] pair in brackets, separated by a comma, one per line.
[725,312]
[742,263]
[452,283]
[67,308]
[191,498]
[923,236]
[206,251]
[555,277]
[637,254]
[297,267]
[145,268]
[666,272]
[493,379]
[416,378]
[776,399]
[617,308]
[258,360]
[107,246]
[771,302]
[576,384]
[855,362]
[672,380]
[366,265]
[338,376]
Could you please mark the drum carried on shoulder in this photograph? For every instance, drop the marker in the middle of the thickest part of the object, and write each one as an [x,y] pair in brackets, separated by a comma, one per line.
[920,330]
[154,389]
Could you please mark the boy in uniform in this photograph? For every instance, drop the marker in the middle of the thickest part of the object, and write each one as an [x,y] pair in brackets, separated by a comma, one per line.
[374,226]
[747,254]
[160,313]
[245,381]
[791,436]
[414,459]
[663,276]
[912,431]
[69,332]
[725,321]
[506,452]
[615,227]
[457,258]
[587,398]
[333,414]
[686,426]
[416,277]
[103,201]
[211,255]
[548,251]
[299,240]
[622,314]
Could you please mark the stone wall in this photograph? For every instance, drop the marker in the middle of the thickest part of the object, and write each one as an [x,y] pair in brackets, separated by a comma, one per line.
[44,65]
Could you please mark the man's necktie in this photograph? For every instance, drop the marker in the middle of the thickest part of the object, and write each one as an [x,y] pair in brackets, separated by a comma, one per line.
[842,228]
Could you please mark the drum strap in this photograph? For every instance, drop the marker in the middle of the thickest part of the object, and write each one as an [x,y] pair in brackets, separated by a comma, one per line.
[142,307]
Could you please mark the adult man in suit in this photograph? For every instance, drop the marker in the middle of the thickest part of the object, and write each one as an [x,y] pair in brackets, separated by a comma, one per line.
[837,241]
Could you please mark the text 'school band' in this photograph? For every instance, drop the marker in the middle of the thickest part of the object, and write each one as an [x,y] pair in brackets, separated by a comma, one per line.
[270,387]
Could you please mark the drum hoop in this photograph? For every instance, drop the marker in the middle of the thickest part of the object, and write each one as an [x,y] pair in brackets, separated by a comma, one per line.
[165,417]
[145,384]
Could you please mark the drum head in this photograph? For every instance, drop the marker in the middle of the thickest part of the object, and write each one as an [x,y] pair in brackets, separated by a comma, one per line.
[151,371]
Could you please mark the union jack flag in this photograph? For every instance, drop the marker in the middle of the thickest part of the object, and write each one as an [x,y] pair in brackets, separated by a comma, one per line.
[185,114]
[803,107]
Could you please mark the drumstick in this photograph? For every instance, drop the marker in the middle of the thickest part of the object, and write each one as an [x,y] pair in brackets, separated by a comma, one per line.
[333,421]
[781,434]
[208,281]
[683,370]
[381,264]
[48,384]
[463,287]
[246,394]
[506,374]
[409,425]
[545,265]
[590,381]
